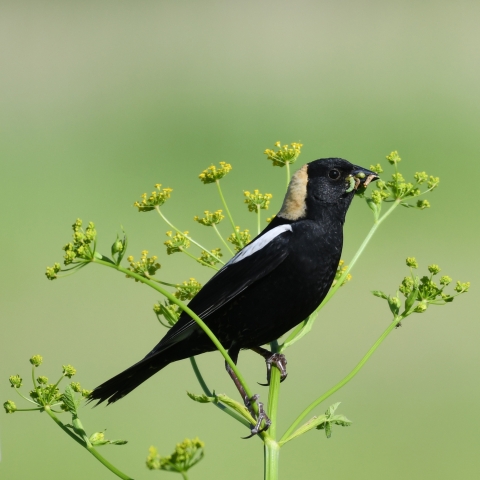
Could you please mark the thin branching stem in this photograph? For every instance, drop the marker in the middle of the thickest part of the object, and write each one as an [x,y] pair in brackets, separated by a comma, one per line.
[170,224]
[287,164]
[206,391]
[199,260]
[229,215]
[343,382]
[258,220]
[222,239]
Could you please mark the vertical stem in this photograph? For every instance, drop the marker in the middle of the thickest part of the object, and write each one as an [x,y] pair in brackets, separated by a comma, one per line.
[273,395]
[222,239]
[271,451]
[288,173]
[229,215]
[258,220]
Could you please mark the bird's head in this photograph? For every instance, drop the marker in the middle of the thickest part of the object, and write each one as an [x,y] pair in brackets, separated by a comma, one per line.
[328,181]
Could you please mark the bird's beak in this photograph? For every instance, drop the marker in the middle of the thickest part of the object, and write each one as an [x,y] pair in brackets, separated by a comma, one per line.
[361,177]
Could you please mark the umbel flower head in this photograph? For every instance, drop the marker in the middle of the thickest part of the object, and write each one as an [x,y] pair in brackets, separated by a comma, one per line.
[157,198]
[244,238]
[421,292]
[145,267]
[210,258]
[210,218]
[10,406]
[213,174]
[340,271]
[284,154]
[177,242]
[186,455]
[188,289]
[257,200]
[398,188]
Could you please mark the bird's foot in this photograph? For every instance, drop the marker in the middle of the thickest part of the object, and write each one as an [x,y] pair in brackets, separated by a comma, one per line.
[261,418]
[279,361]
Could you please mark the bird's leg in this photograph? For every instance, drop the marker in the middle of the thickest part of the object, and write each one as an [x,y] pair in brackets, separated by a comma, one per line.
[249,401]
[276,359]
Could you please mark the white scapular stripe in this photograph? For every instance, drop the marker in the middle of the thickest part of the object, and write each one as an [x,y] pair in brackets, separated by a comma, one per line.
[260,243]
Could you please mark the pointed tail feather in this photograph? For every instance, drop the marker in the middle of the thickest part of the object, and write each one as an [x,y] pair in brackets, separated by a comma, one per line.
[123,383]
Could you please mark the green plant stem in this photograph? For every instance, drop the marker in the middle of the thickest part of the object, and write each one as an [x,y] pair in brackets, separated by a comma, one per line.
[186,236]
[191,313]
[184,475]
[107,464]
[87,446]
[258,220]
[340,384]
[199,260]
[175,285]
[229,215]
[222,239]
[287,164]
[24,397]
[271,452]
[64,428]
[207,392]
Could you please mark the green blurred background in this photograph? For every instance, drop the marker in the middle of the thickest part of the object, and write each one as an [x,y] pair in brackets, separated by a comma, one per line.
[101,100]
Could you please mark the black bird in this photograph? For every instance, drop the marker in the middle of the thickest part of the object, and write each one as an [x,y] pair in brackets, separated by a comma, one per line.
[271,285]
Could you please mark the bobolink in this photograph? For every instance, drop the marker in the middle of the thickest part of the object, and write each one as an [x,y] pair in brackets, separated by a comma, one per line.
[270,286]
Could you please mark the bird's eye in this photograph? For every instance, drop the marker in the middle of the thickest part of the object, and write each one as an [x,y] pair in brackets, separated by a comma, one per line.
[334,174]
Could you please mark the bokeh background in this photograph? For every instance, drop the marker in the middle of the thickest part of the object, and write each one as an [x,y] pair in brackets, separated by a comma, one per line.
[101,100]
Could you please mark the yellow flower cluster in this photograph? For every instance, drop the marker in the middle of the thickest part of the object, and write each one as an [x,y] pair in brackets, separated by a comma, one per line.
[207,257]
[169,311]
[156,199]
[257,200]
[177,242]
[145,267]
[188,289]
[284,154]
[244,238]
[211,218]
[340,271]
[212,173]
[186,455]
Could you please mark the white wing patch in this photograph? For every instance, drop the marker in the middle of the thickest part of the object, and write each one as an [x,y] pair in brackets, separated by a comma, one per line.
[260,243]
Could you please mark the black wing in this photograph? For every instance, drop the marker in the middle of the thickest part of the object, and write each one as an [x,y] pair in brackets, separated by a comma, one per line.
[252,263]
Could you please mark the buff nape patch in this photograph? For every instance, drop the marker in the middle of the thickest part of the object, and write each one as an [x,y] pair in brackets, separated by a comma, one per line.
[294,206]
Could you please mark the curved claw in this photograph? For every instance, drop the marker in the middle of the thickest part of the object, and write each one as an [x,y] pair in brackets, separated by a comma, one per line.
[279,361]
[262,417]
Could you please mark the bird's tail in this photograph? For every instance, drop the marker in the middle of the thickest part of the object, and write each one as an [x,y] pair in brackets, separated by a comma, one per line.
[123,383]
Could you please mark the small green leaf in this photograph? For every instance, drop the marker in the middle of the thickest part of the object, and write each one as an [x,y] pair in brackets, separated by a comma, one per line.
[341,420]
[331,409]
[118,442]
[373,206]
[201,398]
[380,294]
[410,300]
[394,304]
[68,398]
[98,439]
